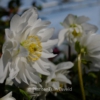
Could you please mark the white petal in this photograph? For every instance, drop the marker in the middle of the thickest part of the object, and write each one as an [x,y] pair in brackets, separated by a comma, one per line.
[64,66]
[62,78]
[82,19]
[80,28]
[23,52]
[23,65]
[46,34]
[9,34]
[26,15]
[18,79]
[6,58]
[45,62]
[29,77]
[10,46]
[9,81]
[77,30]
[95,56]
[61,36]
[93,50]
[21,28]
[1,70]
[39,23]
[40,69]
[15,22]
[32,19]
[8,97]
[70,19]
[92,42]
[5,72]
[25,34]
[49,43]
[47,55]
[34,31]
[56,85]
[84,39]
[13,73]
[24,79]
[50,77]
[89,27]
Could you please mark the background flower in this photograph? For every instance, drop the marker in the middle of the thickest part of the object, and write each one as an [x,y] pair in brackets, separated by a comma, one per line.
[8,97]
[74,27]
[58,77]
[91,47]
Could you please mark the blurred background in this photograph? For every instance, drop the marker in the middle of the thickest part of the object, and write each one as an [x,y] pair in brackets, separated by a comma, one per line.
[52,10]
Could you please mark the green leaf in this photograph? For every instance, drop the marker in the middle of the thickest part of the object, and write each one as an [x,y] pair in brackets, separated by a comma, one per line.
[92,74]
[25,94]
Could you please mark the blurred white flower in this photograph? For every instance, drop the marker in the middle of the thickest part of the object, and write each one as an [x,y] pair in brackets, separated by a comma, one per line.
[58,77]
[32,89]
[90,45]
[8,97]
[74,27]
[27,48]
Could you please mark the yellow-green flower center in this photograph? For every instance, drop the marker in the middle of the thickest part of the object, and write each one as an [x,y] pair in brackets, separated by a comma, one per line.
[75,33]
[73,25]
[33,45]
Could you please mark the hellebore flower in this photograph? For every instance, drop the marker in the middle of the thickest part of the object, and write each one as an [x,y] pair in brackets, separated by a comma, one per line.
[90,47]
[74,27]
[26,48]
[58,77]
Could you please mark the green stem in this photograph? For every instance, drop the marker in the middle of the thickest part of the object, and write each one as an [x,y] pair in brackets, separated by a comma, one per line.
[69,53]
[80,77]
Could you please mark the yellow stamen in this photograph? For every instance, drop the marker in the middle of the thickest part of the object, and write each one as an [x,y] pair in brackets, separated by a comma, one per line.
[76,34]
[33,45]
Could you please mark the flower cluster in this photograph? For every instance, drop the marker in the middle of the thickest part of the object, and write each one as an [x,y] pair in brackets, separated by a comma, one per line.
[26,51]
[28,47]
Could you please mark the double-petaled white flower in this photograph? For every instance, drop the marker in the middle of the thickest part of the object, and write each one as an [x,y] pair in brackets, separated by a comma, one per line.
[90,46]
[74,27]
[8,97]
[26,49]
[58,77]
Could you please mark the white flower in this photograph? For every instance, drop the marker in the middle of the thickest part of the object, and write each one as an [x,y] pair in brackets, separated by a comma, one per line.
[32,89]
[8,97]
[58,78]
[27,48]
[90,45]
[74,27]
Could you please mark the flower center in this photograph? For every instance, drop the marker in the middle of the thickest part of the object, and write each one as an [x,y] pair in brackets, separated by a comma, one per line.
[75,34]
[73,25]
[78,27]
[33,45]
[83,50]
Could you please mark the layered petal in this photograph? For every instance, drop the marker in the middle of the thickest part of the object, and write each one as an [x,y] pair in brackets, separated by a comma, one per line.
[62,78]
[27,49]
[8,97]
[64,65]
[82,19]
[61,36]
[89,27]
[70,19]
[49,44]
[46,34]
